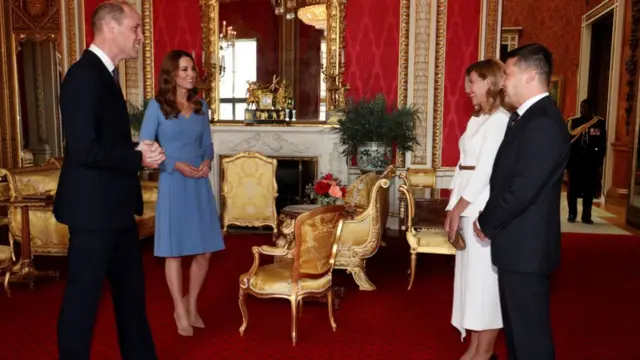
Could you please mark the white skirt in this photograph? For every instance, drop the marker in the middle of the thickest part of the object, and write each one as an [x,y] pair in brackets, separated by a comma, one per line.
[476,299]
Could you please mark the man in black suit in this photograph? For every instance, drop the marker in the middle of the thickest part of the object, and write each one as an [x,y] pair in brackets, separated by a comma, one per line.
[99,191]
[522,216]
[588,149]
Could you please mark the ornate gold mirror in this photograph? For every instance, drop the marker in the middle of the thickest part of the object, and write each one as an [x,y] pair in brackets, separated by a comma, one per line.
[31,132]
[274,61]
[38,73]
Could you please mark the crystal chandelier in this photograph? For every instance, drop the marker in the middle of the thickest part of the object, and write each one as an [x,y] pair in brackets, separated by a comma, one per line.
[313,13]
[310,12]
[227,41]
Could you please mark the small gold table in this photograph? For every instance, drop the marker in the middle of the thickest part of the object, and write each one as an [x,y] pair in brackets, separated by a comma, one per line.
[24,271]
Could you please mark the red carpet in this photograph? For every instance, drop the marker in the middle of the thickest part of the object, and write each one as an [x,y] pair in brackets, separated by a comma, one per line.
[595,310]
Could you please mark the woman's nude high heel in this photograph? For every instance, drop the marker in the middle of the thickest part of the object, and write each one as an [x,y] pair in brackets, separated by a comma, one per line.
[183,330]
[198,323]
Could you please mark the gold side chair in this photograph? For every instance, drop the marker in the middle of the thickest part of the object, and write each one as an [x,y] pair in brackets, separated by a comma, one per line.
[428,239]
[249,191]
[361,237]
[308,273]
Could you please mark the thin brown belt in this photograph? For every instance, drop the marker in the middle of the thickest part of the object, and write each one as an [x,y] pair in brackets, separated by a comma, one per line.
[466,167]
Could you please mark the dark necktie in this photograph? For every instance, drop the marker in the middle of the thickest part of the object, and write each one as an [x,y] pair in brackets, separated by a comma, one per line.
[512,120]
[115,75]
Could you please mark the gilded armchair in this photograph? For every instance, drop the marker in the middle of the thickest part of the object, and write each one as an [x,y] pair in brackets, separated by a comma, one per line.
[307,273]
[361,237]
[359,191]
[7,259]
[429,238]
[48,236]
[249,191]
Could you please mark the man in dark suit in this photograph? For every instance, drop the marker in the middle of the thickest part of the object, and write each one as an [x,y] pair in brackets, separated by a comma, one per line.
[588,149]
[99,191]
[522,216]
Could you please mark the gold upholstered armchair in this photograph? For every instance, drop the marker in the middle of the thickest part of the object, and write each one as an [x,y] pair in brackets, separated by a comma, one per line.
[48,236]
[307,273]
[429,237]
[249,191]
[7,259]
[362,235]
[359,191]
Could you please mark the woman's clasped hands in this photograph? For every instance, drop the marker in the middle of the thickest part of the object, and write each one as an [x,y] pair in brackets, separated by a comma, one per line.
[194,172]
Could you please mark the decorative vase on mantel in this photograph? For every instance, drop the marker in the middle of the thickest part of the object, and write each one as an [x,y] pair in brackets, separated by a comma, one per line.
[373,157]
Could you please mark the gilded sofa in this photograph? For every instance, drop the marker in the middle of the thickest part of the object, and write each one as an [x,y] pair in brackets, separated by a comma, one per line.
[361,236]
[49,237]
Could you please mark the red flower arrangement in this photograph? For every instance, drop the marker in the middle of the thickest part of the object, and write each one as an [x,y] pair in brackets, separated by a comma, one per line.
[327,190]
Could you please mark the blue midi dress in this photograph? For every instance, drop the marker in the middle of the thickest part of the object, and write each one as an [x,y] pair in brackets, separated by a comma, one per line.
[187,220]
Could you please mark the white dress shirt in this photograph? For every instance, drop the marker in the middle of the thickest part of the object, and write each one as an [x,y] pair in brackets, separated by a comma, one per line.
[527,104]
[105,59]
[478,147]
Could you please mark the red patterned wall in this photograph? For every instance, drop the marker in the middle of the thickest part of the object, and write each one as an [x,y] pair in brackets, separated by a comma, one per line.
[557,25]
[371,48]
[462,41]
[89,6]
[176,25]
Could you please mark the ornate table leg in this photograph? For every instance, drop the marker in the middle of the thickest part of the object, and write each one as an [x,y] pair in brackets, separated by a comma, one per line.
[25,272]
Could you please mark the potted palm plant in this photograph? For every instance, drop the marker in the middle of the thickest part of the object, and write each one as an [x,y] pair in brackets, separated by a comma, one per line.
[369,130]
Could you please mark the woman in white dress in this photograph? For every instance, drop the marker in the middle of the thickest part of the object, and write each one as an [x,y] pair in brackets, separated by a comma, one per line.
[476,301]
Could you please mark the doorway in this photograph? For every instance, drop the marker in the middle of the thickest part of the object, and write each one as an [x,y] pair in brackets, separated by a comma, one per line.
[599,73]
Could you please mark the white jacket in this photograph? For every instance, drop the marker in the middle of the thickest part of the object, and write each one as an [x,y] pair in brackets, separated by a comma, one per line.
[478,147]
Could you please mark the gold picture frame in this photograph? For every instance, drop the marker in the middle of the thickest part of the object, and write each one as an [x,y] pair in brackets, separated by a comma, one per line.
[556,90]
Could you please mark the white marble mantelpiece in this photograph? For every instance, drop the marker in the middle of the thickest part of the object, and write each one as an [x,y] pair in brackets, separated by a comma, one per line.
[304,141]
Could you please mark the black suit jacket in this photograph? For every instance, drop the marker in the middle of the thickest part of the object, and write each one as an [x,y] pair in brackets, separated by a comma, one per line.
[99,186]
[522,215]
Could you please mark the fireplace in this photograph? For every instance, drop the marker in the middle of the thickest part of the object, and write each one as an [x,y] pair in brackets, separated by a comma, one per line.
[292,176]
[303,153]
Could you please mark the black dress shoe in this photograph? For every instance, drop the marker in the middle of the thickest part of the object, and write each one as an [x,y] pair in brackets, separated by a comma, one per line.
[571,218]
[587,221]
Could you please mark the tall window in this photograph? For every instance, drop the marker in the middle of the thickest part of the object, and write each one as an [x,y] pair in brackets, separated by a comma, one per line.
[241,65]
[323,86]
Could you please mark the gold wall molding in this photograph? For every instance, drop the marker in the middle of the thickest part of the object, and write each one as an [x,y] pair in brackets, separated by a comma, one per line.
[424,84]
[421,76]
[490,25]
[210,37]
[71,33]
[403,65]
[147,48]
[441,34]
[132,68]
[7,148]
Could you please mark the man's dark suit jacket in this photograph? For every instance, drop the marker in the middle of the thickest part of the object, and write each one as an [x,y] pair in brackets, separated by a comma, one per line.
[99,186]
[522,215]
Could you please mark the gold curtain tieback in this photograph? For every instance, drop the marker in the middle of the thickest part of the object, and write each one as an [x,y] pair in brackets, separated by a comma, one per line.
[466,167]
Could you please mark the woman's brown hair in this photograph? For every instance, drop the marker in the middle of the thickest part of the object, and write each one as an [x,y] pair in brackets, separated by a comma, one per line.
[167,90]
[493,70]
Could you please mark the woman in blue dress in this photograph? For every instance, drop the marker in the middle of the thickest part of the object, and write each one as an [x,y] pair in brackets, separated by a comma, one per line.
[186,216]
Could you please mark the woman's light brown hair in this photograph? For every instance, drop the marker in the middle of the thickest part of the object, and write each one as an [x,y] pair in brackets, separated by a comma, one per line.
[493,70]
[167,90]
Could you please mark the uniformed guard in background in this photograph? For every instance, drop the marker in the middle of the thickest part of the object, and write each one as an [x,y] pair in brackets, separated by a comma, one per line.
[588,148]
